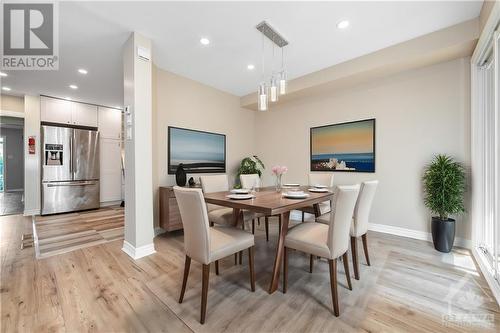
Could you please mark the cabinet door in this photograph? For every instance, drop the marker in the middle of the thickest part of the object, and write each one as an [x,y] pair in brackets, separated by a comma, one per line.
[110,123]
[84,115]
[111,173]
[55,110]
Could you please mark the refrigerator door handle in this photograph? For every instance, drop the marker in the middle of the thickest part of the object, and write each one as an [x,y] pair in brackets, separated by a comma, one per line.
[71,184]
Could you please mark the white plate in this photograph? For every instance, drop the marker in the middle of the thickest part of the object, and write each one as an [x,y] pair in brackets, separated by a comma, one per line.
[240,196]
[240,191]
[291,185]
[318,190]
[295,195]
[320,186]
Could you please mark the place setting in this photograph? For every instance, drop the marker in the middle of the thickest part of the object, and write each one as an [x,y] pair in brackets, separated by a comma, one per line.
[240,194]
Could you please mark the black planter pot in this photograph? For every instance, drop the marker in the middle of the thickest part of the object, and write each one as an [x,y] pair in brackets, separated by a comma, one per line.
[180,175]
[443,234]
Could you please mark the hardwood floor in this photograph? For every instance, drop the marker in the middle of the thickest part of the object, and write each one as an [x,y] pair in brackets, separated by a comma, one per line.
[408,287]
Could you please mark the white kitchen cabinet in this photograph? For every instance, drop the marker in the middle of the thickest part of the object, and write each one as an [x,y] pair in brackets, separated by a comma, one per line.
[110,123]
[55,110]
[84,115]
[110,170]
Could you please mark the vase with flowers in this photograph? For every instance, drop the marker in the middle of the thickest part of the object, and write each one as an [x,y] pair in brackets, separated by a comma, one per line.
[279,171]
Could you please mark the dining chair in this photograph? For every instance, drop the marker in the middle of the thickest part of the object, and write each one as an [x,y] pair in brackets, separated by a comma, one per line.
[253,181]
[359,225]
[327,241]
[207,244]
[324,179]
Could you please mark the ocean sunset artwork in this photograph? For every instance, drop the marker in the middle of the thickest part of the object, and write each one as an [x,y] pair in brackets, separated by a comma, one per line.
[344,147]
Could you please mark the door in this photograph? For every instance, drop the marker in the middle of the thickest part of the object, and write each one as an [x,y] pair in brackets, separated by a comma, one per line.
[55,110]
[110,123]
[56,154]
[111,173]
[84,115]
[85,154]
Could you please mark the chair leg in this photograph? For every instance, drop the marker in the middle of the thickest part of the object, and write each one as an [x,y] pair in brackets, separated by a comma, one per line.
[187,264]
[365,248]
[267,229]
[252,270]
[258,221]
[303,216]
[285,270]
[333,285]
[212,224]
[253,227]
[204,291]
[311,263]
[354,251]
[216,267]
[346,270]
[236,258]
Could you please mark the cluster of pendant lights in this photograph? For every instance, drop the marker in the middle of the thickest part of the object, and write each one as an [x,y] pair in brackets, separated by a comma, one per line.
[269,91]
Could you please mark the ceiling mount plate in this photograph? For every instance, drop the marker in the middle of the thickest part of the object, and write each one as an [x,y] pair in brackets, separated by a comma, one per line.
[272,34]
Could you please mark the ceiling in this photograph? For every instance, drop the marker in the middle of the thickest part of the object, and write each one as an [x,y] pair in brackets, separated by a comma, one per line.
[92,35]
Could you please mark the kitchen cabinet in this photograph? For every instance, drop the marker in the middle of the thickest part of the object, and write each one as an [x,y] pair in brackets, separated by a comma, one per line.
[110,169]
[84,115]
[110,123]
[61,111]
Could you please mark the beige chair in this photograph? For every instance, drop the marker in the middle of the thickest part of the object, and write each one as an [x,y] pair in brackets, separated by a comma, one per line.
[328,241]
[324,179]
[207,244]
[359,226]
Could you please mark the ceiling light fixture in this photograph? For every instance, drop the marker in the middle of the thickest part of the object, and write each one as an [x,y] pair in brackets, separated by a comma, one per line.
[67,98]
[204,41]
[6,89]
[82,71]
[2,74]
[250,67]
[343,24]
[73,86]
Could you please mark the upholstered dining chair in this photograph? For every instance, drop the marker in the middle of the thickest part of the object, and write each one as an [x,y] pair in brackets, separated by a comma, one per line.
[324,179]
[207,244]
[253,181]
[359,226]
[327,241]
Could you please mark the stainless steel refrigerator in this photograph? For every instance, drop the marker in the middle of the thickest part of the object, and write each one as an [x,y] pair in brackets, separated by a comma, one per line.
[70,169]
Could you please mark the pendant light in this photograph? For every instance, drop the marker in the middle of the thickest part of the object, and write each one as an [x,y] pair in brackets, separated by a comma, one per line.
[263,93]
[282,80]
[273,88]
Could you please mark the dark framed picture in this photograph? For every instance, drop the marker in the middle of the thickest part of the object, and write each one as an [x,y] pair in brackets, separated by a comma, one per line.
[198,151]
[346,147]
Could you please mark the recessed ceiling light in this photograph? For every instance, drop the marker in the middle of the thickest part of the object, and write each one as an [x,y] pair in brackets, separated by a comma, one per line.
[2,74]
[343,24]
[67,98]
[82,71]
[251,67]
[204,41]
[73,86]
[6,88]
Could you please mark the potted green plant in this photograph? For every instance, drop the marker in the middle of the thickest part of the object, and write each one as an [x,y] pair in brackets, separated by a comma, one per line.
[444,186]
[250,165]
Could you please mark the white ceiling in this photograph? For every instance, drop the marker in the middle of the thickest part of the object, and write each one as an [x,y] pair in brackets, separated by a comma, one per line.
[92,35]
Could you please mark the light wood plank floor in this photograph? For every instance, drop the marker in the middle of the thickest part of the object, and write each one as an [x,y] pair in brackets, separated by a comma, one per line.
[409,288]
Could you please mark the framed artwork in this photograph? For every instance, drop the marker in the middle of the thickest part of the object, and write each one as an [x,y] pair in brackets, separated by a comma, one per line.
[198,151]
[347,147]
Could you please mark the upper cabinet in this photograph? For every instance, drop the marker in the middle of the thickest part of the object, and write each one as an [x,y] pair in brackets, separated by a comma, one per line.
[60,111]
[110,123]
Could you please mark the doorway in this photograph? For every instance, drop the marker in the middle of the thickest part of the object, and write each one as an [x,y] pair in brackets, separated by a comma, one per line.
[11,165]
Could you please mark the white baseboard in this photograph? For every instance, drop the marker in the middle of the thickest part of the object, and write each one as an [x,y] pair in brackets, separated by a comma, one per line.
[31,212]
[110,203]
[488,275]
[415,234]
[159,231]
[138,252]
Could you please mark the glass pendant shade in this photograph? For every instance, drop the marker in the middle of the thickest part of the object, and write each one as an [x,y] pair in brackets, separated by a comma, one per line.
[262,98]
[273,90]
[282,83]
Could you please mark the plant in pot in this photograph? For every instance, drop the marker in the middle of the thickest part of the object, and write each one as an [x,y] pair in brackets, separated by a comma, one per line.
[248,166]
[444,186]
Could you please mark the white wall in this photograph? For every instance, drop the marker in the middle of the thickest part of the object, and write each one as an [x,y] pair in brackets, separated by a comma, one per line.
[32,162]
[418,113]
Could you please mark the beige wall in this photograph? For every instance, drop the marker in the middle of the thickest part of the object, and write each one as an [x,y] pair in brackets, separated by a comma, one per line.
[418,113]
[181,102]
[11,103]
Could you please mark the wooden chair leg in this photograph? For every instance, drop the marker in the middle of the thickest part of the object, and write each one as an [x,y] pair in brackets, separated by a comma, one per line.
[187,264]
[267,229]
[240,256]
[311,263]
[285,270]
[303,216]
[252,270]
[365,248]
[333,285]
[216,267]
[354,251]
[346,270]
[211,224]
[204,291]
[236,258]
[253,227]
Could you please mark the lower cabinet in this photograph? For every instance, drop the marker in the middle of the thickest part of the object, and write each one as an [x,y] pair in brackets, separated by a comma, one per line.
[170,217]
[111,172]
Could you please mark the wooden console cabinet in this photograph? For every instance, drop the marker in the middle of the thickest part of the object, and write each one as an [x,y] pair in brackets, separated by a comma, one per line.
[170,217]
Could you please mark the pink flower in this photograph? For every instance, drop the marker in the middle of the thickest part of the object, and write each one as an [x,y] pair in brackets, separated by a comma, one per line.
[279,170]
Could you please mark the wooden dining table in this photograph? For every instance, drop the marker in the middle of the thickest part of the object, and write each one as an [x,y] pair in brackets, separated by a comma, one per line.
[269,201]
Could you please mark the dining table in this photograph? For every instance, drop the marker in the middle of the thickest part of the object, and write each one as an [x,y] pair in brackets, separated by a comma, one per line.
[270,201]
